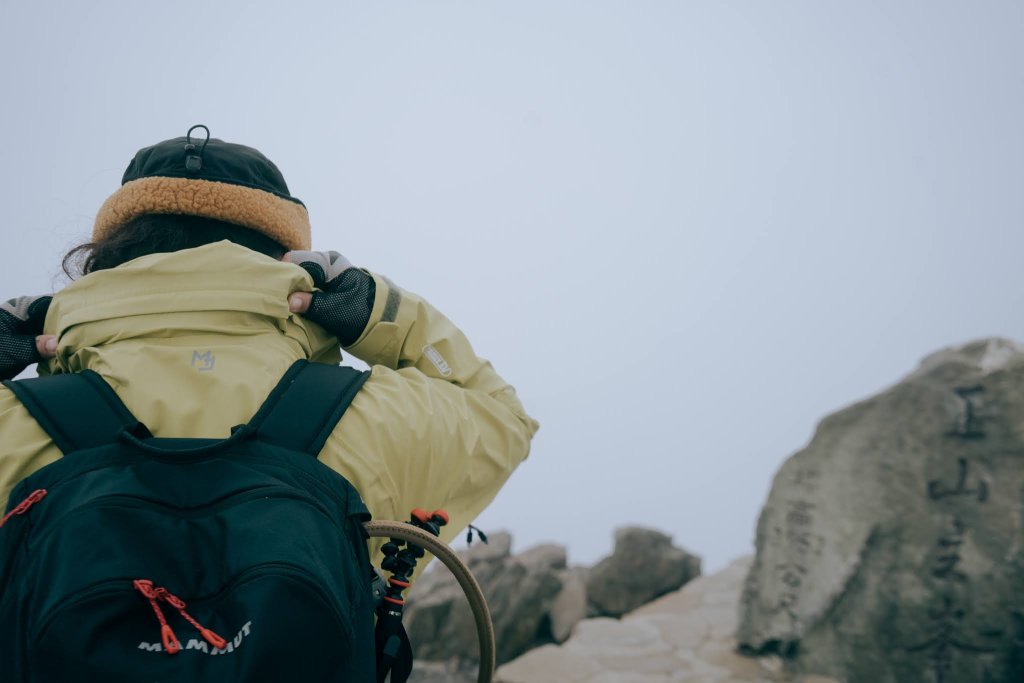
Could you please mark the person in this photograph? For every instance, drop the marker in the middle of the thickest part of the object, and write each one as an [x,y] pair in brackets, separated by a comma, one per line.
[197,292]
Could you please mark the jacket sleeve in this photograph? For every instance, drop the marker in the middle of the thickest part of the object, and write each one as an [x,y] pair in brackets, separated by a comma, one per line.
[434,426]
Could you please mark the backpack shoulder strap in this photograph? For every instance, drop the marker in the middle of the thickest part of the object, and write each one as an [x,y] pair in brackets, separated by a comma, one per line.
[78,411]
[304,407]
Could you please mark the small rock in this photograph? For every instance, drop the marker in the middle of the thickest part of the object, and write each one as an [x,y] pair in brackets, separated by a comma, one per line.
[570,605]
[643,566]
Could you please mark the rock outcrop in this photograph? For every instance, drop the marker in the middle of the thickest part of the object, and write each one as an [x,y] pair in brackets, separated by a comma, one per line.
[891,549]
[535,599]
[684,637]
[520,591]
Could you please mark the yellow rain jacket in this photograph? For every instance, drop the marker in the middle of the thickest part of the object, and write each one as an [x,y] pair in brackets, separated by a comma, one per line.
[194,341]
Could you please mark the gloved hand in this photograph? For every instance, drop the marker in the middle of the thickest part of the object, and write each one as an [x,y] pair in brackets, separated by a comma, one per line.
[345,300]
[21,340]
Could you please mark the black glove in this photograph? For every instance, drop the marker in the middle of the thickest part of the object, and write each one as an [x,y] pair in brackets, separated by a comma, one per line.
[21,321]
[344,304]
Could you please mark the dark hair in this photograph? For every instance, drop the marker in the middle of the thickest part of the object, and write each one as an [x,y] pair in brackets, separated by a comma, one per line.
[155,233]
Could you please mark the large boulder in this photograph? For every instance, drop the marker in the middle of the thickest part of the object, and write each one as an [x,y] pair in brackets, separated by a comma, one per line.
[891,549]
[643,565]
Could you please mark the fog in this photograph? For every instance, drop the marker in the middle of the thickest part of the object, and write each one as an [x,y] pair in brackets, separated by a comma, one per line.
[684,231]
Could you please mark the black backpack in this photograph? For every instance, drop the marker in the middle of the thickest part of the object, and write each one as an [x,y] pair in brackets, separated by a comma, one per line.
[145,560]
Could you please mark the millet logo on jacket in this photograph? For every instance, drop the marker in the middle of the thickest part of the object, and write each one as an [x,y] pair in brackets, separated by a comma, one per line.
[200,645]
[203,362]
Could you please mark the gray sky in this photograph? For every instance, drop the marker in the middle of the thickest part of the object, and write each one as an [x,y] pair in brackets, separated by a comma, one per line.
[685,231]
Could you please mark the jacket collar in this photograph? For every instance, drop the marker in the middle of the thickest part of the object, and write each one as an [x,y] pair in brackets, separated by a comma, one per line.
[210,295]
[192,341]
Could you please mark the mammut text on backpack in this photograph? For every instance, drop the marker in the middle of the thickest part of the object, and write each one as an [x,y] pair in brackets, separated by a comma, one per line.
[201,645]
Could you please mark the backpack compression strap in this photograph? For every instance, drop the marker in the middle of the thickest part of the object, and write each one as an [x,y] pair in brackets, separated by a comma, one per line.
[306,404]
[78,411]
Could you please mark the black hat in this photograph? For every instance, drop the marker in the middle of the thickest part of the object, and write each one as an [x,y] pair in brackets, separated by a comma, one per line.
[211,178]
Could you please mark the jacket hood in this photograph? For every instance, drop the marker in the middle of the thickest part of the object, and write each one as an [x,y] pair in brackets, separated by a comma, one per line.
[201,325]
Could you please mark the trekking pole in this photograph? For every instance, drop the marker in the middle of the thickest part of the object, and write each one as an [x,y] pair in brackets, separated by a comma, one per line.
[481,614]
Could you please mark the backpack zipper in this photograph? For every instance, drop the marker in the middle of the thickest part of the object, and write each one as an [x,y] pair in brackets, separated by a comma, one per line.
[22,507]
[171,644]
[12,540]
[117,587]
[277,492]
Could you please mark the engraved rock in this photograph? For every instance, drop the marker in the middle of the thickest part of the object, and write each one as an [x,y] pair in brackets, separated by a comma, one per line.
[891,548]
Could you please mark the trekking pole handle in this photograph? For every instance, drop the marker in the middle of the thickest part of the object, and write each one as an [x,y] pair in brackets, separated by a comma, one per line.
[477,602]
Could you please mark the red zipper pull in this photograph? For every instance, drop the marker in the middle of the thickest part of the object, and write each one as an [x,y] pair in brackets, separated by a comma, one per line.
[22,507]
[170,641]
[179,604]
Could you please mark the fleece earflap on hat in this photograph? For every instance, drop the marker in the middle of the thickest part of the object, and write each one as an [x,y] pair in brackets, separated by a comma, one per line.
[210,178]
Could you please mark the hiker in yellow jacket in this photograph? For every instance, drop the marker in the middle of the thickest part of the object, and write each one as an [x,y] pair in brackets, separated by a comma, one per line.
[199,291]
